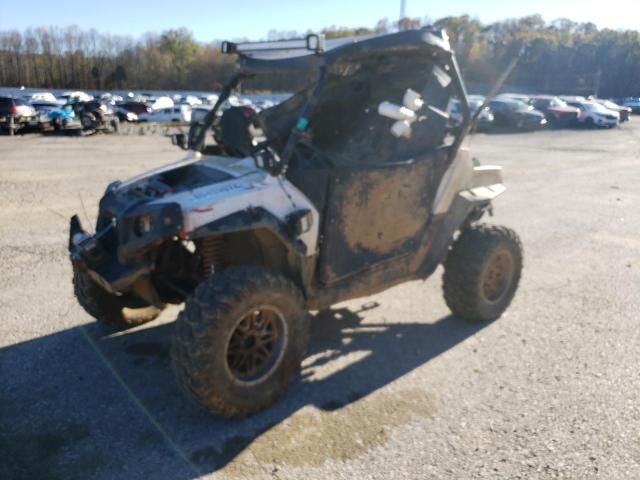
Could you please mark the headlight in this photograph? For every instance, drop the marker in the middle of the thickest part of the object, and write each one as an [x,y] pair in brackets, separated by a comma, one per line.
[143,225]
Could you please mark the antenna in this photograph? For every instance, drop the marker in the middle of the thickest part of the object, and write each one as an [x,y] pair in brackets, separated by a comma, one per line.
[403,13]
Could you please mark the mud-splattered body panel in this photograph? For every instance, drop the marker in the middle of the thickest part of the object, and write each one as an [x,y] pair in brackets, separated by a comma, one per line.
[376,214]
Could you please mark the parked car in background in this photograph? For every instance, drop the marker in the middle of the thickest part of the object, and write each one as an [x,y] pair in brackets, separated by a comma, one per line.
[78,96]
[572,98]
[190,100]
[519,97]
[41,97]
[15,114]
[557,112]
[485,118]
[632,102]
[96,115]
[199,112]
[136,107]
[175,114]
[625,112]
[514,114]
[124,115]
[593,114]
[62,117]
[43,108]
[162,103]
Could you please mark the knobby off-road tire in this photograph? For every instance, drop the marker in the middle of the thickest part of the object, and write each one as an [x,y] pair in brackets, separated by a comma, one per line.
[482,272]
[116,312]
[222,323]
[88,122]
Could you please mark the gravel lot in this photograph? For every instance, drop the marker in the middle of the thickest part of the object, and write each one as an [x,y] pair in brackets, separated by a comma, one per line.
[394,387]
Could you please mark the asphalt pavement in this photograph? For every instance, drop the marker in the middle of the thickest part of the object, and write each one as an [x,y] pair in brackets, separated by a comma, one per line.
[394,387]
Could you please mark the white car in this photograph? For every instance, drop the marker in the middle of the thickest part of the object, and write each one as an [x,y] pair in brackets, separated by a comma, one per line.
[162,103]
[175,114]
[77,96]
[41,97]
[593,114]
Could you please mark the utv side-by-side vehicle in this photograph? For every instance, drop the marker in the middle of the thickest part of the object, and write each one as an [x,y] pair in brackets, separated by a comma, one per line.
[356,183]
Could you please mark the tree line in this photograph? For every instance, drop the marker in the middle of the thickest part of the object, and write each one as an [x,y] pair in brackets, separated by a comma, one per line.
[562,56]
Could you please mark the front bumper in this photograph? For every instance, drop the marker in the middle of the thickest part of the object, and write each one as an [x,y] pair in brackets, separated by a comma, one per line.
[117,256]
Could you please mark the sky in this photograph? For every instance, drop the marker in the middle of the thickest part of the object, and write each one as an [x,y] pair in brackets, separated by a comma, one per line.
[231,19]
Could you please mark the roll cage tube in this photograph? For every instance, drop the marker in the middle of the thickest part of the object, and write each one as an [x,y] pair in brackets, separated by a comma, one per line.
[467,122]
[496,88]
[198,133]
[279,166]
[300,127]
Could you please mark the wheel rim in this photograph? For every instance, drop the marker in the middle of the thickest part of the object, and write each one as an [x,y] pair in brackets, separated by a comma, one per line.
[497,276]
[256,345]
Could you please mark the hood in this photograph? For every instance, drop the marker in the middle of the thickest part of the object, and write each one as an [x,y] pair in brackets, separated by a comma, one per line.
[184,177]
[234,167]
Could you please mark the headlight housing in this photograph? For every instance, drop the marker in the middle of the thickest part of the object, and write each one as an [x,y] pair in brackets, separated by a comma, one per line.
[147,226]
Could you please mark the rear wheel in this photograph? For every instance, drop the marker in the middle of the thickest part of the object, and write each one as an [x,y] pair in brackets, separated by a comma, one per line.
[482,272]
[88,121]
[120,313]
[240,340]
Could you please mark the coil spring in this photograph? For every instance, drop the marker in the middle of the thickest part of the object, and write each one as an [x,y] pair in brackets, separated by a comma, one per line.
[211,254]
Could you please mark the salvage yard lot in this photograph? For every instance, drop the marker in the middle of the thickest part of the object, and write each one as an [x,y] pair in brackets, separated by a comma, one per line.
[394,387]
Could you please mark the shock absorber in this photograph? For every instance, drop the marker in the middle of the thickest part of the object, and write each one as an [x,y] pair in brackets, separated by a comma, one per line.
[211,254]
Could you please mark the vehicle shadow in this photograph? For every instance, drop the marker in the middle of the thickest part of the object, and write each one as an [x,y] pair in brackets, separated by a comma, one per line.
[83,403]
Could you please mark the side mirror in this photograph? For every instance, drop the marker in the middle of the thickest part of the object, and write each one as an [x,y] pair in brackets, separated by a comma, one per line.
[180,140]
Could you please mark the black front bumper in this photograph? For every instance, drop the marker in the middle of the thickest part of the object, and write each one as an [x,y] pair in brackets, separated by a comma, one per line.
[117,256]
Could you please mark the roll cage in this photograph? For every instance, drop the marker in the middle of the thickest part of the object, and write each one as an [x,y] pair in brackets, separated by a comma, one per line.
[328,62]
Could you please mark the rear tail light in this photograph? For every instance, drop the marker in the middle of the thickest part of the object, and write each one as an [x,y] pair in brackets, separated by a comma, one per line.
[13,110]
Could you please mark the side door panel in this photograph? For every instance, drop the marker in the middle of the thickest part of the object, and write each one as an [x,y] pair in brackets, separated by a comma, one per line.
[375,214]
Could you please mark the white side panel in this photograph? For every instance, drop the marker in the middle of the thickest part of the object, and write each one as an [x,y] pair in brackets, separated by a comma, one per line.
[482,182]
[276,195]
[457,177]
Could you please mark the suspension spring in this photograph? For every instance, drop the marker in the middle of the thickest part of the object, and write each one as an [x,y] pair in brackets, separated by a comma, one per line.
[211,254]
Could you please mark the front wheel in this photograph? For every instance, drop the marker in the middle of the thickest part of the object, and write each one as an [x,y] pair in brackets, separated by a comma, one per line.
[482,272]
[240,340]
[119,313]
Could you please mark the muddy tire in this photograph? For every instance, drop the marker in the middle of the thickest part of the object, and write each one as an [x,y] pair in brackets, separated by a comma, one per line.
[482,272]
[116,312]
[88,121]
[240,340]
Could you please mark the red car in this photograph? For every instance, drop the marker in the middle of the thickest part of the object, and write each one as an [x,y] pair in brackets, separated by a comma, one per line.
[557,112]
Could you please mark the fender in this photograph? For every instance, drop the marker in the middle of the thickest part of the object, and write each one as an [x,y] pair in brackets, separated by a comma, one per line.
[476,183]
[253,219]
